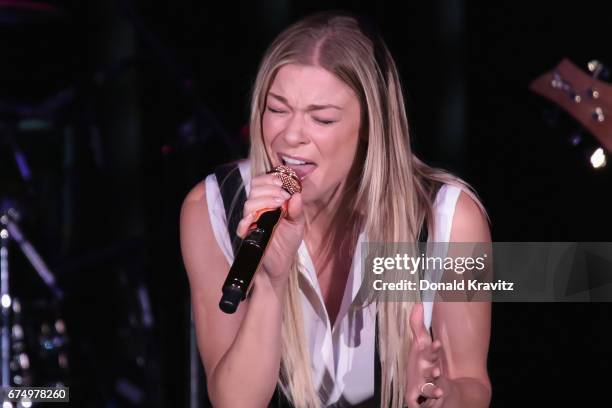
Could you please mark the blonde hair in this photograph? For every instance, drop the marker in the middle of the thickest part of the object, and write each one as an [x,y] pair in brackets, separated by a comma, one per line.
[392,197]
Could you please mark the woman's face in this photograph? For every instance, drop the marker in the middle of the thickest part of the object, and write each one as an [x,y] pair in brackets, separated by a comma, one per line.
[311,123]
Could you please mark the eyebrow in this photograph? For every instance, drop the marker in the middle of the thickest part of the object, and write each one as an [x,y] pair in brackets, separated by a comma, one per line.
[309,108]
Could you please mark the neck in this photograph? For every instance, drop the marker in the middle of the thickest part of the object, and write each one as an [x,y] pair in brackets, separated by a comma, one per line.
[320,215]
[330,226]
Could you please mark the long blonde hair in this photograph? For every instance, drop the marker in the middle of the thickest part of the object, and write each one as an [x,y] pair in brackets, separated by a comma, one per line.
[392,196]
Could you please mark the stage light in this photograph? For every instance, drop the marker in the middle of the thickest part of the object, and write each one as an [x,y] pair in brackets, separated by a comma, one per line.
[24,361]
[598,158]
[5,301]
[17,332]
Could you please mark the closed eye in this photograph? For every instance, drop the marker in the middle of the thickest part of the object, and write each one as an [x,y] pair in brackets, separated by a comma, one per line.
[324,122]
[275,110]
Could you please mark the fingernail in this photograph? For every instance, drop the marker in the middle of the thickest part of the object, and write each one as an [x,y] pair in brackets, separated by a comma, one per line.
[279,200]
[286,195]
[278,182]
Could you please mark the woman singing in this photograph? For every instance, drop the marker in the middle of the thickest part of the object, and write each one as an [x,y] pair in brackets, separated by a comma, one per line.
[327,102]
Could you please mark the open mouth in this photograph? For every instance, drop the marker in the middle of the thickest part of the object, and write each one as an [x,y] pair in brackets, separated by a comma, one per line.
[301,166]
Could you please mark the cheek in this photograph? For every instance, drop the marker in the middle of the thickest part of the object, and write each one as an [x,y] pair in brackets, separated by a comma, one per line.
[266,128]
[338,155]
[271,126]
[342,146]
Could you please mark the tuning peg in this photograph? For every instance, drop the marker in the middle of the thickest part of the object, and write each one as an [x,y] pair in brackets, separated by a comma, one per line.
[561,84]
[557,82]
[593,93]
[598,114]
[594,67]
[598,158]
[597,69]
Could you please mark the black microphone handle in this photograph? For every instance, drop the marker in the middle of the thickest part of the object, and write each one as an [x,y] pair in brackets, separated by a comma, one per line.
[247,261]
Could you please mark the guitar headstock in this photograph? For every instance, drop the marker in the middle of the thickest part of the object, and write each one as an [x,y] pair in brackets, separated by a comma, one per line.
[582,95]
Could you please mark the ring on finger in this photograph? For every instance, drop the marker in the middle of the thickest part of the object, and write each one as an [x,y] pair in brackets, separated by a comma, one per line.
[422,389]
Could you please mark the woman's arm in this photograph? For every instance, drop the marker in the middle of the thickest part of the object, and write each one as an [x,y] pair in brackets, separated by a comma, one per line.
[464,327]
[240,351]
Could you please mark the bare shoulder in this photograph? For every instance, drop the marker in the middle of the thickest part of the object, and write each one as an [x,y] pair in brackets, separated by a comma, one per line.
[194,220]
[470,223]
[198,244]
[196,195]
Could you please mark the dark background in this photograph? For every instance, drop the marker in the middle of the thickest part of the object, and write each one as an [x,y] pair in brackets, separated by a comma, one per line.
[121,107]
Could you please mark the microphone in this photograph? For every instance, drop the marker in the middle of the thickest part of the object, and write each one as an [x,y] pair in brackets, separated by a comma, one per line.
[253,246]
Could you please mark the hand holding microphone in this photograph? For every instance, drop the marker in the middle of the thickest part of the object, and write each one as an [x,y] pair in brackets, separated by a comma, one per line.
[272,229]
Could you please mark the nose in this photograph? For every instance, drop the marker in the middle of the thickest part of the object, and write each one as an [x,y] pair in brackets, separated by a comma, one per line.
[294,131]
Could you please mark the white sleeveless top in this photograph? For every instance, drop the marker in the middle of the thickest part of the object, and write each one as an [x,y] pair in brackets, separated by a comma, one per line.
[342,356]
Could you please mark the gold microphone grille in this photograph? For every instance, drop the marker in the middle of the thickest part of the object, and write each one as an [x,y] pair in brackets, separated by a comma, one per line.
[291,181]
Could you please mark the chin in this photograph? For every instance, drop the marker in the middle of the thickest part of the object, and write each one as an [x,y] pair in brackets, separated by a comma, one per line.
[309,196]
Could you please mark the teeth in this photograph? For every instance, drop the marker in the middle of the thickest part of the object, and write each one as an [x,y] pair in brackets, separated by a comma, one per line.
[289,160]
